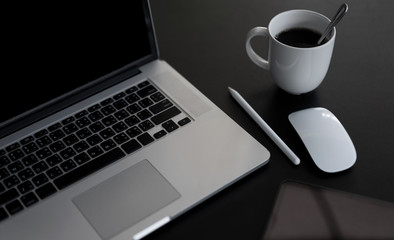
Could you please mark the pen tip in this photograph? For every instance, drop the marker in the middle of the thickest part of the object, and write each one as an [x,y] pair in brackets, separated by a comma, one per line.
[231,90]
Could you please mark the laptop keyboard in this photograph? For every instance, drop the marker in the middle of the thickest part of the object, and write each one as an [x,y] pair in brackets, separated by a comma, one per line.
[55,157]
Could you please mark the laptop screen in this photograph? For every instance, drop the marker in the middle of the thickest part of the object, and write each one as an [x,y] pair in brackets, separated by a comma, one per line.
[51,49]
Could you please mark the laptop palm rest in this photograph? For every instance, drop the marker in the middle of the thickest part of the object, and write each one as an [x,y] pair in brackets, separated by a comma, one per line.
[125,199]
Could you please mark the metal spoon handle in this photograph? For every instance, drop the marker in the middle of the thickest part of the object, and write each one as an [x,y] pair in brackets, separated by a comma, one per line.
[338,16]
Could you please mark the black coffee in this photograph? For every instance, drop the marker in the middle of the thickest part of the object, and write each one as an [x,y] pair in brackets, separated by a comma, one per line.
[300,37]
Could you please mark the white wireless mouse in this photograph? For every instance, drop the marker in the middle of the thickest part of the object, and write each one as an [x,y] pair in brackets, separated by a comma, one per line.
[325,138]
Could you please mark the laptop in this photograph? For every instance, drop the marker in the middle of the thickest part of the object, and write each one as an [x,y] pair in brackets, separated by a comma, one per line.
[100,138]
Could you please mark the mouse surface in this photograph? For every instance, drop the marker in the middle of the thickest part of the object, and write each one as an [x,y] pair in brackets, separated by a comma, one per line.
[325,138]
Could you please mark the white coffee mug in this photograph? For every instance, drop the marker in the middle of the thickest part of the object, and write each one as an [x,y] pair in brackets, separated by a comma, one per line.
[294,69]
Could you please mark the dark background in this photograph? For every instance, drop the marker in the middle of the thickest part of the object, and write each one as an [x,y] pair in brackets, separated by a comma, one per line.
[205,41]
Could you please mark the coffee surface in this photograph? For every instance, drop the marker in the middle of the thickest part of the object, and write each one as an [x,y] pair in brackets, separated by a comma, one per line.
[300,37]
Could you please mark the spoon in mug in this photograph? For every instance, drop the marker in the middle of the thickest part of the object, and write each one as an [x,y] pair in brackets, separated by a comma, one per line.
[335,20]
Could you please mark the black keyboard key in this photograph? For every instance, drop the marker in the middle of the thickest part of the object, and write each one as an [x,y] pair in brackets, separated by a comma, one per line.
[94,140]
[54,127]
[40,179]
[131,121]
[134,108]
[146,102]
[131,90]
[4,173]
[120,104]
[146,91]
[25,174]
[106,102]
[29,160]
[157,96]
[108,110]
[121,114]
[43,153]
[68,165]
[17,154]
[57,146]
[83,133]
[108,121]
[161,106]
[83,122]
[68,120]
[143,84]
[108,144]
[96,127]
[160,134]
[40,167]
[69,140]
[53,160]
[27,140]
[25,187]
[146,125]
[184,121]
[133,132]
[131,146]
[132,98]
[67,153]
[40,133]
[57,135]
[12,147]
[119,127]
[107,133]
[88,168]
[81,158]
[11,181]
[30,147]
[43,141]
[81,114]
[121,138]
[46,190]
[14,207]
[15,167]
[95,116]
[145,138]
[4,161]
[170,126]
[95,151]
[164,116]
[119,95]
[70,128]
[144,114]
[81,146]
[8,196]
[94,108]
[29,199]
[3,214]
[54,172]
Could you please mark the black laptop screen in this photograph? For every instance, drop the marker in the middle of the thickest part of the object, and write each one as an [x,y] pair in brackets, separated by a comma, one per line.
[50,49]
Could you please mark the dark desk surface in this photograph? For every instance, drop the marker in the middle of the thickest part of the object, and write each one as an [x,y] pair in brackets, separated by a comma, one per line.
[205,41]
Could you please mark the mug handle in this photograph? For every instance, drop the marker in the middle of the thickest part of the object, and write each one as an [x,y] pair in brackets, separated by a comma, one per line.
[259,61]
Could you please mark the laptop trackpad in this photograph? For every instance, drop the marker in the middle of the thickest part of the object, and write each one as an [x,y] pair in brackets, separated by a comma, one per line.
[125,199]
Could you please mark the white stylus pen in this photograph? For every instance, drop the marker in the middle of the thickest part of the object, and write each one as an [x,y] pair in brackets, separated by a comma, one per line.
[274,137]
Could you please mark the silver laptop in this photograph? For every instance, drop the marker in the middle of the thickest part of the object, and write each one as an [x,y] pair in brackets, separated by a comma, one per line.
[100,139]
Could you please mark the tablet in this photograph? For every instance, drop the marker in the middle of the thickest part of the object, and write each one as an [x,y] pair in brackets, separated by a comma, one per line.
[304,211]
